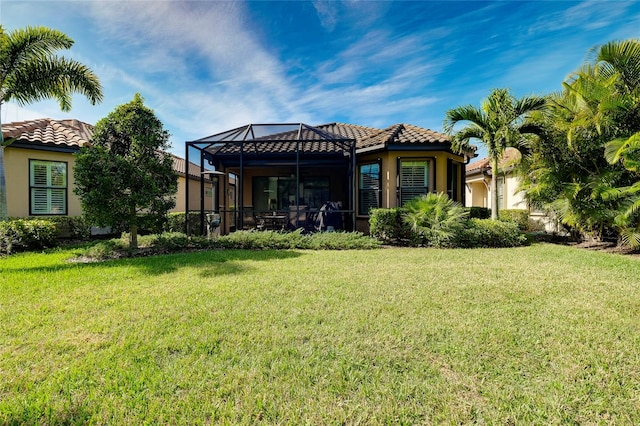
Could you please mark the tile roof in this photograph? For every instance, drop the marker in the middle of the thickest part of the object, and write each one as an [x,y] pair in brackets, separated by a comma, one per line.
[68,133]
[510,157]
[321,142]
[179,167]
[64,133]
[403,134]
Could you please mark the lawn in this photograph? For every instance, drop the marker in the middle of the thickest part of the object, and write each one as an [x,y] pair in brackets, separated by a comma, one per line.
[536,335]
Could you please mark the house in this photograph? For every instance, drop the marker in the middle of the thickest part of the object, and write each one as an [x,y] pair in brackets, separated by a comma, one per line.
[478,183]
[478,189]
[39,168]
[291,174]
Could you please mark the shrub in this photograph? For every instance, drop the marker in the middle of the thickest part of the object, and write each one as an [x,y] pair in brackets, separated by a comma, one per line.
[340,241]
[435,218]
[108,249]
[489,233]
[176,223]
[517,216]
[27,234]
[260,240]
[73,227]
[479,213]
[387,226]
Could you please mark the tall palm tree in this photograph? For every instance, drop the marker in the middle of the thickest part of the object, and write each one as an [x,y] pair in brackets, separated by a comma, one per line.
[500,122]
[30,71]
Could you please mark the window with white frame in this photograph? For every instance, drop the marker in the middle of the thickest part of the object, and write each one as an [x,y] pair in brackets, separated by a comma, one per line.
[47,187]
[414,179]
[368,187]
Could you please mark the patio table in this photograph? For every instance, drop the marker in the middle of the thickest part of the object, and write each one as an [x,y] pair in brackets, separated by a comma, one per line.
[274,221]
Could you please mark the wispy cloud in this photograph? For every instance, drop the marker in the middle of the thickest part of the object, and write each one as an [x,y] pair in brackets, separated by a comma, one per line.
[207,66]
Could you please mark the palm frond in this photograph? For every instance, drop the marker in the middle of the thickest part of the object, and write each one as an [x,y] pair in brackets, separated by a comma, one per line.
[52,78]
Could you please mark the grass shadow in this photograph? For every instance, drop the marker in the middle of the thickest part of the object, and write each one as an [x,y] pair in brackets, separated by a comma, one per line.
[212,261]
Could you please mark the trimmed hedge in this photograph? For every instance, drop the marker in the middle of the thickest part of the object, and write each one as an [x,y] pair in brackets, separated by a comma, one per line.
[479,213]
[176,223]
[490,233]
[387,226]
[170,242]
[72,227]
[27,234]
[517,216]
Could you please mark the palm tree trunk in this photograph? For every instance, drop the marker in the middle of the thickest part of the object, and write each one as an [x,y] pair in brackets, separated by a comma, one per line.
[494,188]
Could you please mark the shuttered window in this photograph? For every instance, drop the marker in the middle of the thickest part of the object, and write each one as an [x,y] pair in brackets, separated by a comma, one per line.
[47,187]
[368,188]
[414,179]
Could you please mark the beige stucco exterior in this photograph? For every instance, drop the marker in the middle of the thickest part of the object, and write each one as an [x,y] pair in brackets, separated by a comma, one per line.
[389,172]
[17,177]
[478,192]
[194,195]
[16,163]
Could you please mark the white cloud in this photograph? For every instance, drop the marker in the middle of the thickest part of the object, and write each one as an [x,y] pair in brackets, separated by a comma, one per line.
[327,14]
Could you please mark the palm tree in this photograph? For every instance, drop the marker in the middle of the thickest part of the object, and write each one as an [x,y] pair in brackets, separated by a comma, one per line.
[500,122]
[30,71]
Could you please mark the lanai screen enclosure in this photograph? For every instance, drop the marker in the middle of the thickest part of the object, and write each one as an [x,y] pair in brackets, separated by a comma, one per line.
[274,168]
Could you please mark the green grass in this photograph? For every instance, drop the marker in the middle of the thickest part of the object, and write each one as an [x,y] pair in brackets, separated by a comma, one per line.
[534,335]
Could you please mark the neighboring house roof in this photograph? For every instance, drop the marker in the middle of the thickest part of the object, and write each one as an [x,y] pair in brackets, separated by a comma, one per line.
[510,157]
[179,166]
[70,134]
[46,131]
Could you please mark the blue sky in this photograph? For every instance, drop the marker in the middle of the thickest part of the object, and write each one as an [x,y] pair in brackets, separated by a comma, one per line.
[208,66]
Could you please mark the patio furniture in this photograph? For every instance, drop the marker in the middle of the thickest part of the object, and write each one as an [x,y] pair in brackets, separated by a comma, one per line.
[248,218]
[273,221]
[329,217]
[298,216]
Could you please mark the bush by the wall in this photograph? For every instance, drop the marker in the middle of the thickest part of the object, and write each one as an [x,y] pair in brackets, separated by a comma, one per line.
[479,213]
[176,223]
[518,216]
[387,226]
[72,227]
[489,233]
[27,234]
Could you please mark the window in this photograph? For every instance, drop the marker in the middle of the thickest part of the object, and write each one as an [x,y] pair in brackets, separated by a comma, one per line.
[414,179]
[47,187]
[278,193]
[368,188]
[453,172]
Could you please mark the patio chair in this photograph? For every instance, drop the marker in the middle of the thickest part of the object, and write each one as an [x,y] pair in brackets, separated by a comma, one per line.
[248,218]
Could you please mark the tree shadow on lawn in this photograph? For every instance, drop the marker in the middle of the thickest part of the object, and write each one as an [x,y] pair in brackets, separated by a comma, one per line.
[210,262]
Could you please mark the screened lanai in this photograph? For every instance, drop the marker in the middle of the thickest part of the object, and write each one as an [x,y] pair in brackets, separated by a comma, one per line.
[274,176]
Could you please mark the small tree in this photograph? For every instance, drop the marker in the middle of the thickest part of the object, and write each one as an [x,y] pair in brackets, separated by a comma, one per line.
[500,122]
[126,170]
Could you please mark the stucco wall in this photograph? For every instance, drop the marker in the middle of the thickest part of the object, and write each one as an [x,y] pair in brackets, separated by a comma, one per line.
[17,176]
[514,199]
[194,195]
[16,164]
[390,170]
[479,194]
